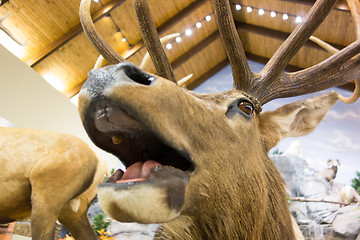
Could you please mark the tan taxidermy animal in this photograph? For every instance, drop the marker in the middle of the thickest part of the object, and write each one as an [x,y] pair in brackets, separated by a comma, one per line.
[48,176]
[198,163]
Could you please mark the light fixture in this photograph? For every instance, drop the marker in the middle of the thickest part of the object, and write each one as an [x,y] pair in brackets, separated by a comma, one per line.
[96,1]
[298,19]
[188,32]
[285,16]
[178,39]
[261,12]
[238,7]
[273,14]
[249,9]
[54,81]
[169,46]
[123,39]
[208,18]
[198,25]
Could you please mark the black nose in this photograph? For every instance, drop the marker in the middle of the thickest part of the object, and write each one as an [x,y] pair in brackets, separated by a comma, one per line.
[135,73]
[99,79]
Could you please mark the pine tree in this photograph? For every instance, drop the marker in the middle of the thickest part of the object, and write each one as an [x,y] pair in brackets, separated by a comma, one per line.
[356,182]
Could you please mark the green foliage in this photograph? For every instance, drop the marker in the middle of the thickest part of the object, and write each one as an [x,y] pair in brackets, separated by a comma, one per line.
[100,223]
[111,173]
[356,182]
[277,152]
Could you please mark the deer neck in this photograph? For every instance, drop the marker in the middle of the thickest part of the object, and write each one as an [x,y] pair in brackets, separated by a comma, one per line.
[224,211]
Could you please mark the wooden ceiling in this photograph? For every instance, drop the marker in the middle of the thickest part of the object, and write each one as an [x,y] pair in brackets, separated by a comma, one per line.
[59,51]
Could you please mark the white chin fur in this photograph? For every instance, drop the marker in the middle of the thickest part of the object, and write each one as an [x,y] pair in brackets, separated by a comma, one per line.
[140,203]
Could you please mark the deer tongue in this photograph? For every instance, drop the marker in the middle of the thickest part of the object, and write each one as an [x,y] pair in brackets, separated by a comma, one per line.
[139,171]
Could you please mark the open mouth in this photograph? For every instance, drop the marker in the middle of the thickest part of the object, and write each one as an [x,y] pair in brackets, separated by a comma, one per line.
[136,145]
[158,168]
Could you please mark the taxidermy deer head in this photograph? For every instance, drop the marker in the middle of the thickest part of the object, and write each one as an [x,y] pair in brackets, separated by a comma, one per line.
[198,163]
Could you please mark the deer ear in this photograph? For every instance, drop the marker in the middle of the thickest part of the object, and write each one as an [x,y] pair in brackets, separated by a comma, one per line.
[294,119]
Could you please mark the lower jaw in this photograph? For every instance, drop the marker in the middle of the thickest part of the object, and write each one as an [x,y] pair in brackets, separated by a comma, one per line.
[156,199]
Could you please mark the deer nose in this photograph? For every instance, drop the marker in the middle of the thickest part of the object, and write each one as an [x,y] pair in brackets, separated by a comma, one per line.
[100,79]
[134,73]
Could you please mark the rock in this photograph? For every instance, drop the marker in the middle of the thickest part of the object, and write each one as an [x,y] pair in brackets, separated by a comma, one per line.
[347,222]
[317,220]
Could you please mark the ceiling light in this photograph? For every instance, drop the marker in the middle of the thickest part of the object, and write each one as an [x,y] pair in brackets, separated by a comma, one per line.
[261,11]
[208,18]
[198,25]
[96,0]
[249,9]
[188,32]
[273,14]
[54,81]
[123,39]
[169,46]
[178,39]
[285,16]
[238,7]
[298,19]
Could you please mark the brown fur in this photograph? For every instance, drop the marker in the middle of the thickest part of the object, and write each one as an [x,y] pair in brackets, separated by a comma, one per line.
[48,176]
[235,191]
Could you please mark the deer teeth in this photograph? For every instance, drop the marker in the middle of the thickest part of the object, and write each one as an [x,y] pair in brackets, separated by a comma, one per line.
[117,140]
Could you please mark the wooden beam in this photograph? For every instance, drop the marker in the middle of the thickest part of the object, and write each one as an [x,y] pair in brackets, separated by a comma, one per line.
[166,26]
[340,5]
[208,74]
[72,33]
[180,16]
[277,34]
[195,49]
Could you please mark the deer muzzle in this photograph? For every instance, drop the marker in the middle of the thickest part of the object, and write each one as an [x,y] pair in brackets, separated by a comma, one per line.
[152,190]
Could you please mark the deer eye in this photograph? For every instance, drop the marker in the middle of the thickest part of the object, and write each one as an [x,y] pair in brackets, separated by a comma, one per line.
[246,107]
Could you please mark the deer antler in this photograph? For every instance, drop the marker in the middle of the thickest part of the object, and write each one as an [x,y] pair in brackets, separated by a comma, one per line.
[272,82]
[162,40]
[94,36]
[355,11]
[148,30]
[234,49]
[151,40]
[356,94]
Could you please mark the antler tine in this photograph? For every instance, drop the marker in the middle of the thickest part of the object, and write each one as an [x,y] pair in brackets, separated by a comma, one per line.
[337,70]
[355,12]
[151,40]
[162,40]
[232,43]
[324,45]
[94,36]
[276,65]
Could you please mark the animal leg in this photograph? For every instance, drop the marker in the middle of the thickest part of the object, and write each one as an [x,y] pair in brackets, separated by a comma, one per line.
[43,221]
[77,223]
[50,194]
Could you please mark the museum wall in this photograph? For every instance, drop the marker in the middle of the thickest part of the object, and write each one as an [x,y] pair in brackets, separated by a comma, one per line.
[28,101]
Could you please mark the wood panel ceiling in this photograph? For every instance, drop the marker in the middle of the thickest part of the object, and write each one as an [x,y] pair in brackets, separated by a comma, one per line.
[59,51]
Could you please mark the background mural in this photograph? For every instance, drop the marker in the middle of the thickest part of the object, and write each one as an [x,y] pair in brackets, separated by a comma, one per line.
[337,136]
